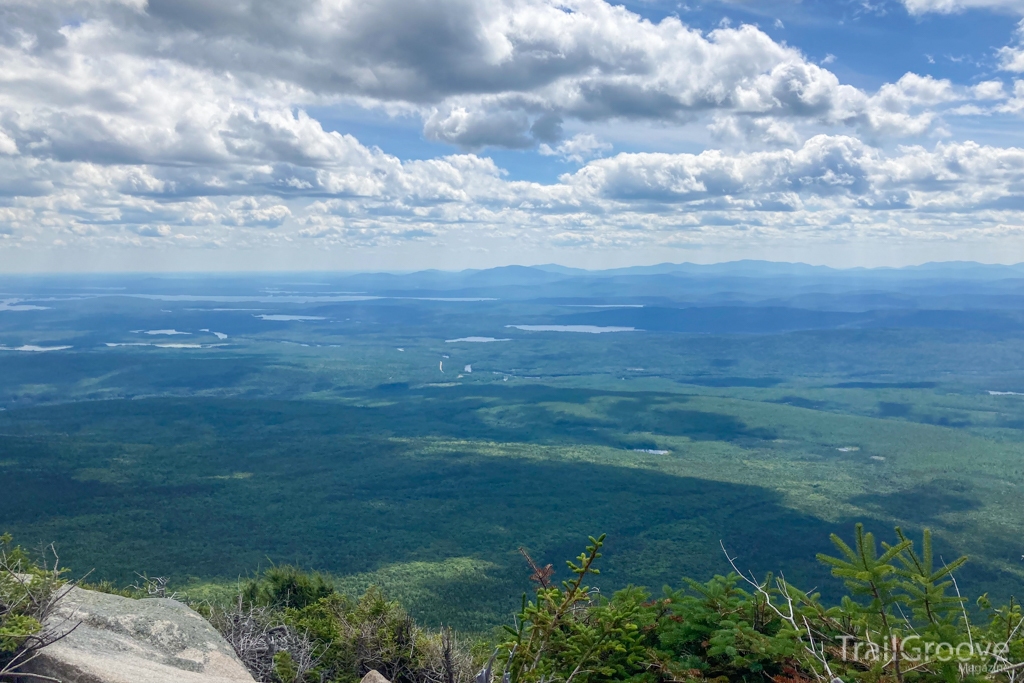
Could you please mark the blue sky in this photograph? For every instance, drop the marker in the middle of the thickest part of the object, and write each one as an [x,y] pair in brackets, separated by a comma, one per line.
[404,134]
[874,42]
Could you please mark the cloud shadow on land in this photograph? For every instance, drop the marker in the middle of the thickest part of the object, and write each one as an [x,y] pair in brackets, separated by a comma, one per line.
[357,515]
[323,489]
[527,415]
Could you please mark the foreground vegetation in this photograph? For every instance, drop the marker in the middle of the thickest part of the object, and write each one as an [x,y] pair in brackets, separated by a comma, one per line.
[902,619]
[29,592]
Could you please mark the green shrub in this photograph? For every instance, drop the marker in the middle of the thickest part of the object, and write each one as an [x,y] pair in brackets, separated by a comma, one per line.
[901,623]
[15,629]
[292,626]
[28,593]
[904,620]
[287,586]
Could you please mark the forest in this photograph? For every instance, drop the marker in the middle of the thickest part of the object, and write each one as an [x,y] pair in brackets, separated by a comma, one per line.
[205,429]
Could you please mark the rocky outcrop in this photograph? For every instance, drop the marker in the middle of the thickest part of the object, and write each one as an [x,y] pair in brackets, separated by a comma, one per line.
[119,640]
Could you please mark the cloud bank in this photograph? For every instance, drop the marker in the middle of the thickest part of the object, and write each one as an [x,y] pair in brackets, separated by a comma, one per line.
[185,124]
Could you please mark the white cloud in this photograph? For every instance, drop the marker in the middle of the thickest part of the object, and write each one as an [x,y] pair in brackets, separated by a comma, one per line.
[989,90]
[193,79]
[668,72]
[1015,105]
[951,189]
[251,211]
[7,145]
[188,123]
[152,230]
[1011,57]
[767,130]
[578,148]
[834,170]
[952,6]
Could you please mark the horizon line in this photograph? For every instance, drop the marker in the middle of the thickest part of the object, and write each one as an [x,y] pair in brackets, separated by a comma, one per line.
[535,266]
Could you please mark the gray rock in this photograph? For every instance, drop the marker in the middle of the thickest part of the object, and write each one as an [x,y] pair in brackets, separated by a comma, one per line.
[120,640]
[374,676]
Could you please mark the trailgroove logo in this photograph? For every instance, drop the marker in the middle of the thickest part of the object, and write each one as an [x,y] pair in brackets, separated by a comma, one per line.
[913,649]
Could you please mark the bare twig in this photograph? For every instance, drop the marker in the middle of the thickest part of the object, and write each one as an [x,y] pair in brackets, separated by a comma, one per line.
[33,592]
[967,621]
[817,652]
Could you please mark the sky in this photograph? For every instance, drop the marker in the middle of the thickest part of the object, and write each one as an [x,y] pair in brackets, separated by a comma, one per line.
[191,135]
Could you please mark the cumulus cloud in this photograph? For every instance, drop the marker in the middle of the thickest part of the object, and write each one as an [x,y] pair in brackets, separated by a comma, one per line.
[626,198]
[839,170]
[766,129]
[578,148]
[989,90]
[192,78]
[608,64]
[7,145]
[1015,104]
[1011,57]
[187,122]
[152,230]
[251,211]
[823,166]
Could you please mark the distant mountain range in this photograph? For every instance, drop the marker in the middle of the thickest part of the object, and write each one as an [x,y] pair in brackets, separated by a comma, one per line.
[955,285]
[739,296]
